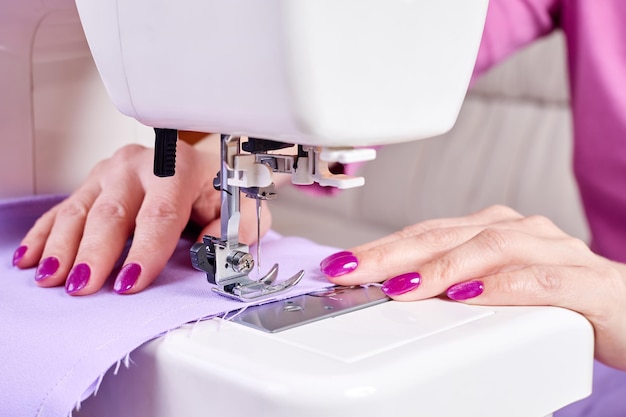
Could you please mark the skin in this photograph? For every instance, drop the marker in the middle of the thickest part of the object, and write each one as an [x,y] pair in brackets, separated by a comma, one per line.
[520,260]
[121,197]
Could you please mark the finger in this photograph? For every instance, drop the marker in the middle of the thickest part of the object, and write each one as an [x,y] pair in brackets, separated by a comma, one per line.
[595,291]
[108,226]
[396,257]
[213,229]
[490,251]
[64,237]
[162,217]
[206,207]
[535,285]
[31,247]
[491,215]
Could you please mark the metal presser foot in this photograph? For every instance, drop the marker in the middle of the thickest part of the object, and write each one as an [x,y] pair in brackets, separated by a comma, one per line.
[226,261]
[228,267]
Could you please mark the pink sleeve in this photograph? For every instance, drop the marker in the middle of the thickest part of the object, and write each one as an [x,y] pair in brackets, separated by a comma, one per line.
[512,24]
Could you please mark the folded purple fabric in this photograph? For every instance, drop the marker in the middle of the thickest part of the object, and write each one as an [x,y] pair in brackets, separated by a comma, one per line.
[54,346]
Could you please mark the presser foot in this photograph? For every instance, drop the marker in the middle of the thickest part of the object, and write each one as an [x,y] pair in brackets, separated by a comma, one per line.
[262,290]
[227,266]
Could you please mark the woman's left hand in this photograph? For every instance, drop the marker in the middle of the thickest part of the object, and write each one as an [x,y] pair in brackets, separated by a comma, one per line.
[496,257]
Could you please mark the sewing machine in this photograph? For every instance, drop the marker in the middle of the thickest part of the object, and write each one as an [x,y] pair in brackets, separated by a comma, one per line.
[329,77]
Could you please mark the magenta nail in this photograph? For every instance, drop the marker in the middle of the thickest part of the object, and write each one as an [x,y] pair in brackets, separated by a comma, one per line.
[332,257]
[402,284]
[46,268]
[465,290]
[339,265]
[19,254]
[127,278]
[78,278]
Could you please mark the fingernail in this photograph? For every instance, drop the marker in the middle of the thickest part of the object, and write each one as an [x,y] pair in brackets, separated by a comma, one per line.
[78,278]
[46,268]
[19,254]
[339,265]
[332,257]
[127,278]
[465,290]
[402,283]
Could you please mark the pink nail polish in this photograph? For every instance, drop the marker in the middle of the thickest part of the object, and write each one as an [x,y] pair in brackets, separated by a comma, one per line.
[402,284]
[340,265]
[19,254]
[78,278]
[46,268]
[465,290]
[332,257]
[127,278]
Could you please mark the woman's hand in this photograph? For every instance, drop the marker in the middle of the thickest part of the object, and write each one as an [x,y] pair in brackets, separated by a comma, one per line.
[496,257]
[78,242]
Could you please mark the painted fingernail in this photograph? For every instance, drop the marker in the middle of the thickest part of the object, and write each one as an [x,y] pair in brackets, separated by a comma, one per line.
[19,254]
[46,268]
[332,257]
[127,278]
[465,290]
[77,279]
[402,283]
[339,265]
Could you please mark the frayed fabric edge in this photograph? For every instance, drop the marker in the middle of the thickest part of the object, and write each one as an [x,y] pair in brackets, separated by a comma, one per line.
[92,390]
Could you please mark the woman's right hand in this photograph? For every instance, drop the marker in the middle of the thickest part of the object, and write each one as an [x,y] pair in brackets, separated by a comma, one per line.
[496,257]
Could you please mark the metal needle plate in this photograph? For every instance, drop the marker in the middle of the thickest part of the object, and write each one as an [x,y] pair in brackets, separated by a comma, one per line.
[286,314]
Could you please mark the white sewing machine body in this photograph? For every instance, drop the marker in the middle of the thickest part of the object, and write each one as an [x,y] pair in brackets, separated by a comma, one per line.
[313,72]
[430,358]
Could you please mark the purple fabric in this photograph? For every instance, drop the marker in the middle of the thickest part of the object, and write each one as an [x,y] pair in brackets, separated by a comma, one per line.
[55,346]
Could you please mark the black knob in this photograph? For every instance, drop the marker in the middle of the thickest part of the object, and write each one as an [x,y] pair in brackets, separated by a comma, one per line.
[165,152]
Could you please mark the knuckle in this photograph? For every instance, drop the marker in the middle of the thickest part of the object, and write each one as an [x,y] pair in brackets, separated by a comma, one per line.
[109,210]
[128,152]
[546,278]
[505,283]
[404,233]
[419,228]
[538,221]
[73,208]
[99,168]
[377,256]
[162,210]
[500,210]
[440,238]
[493,241]
[446,268]
[122,160]
[577,244]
